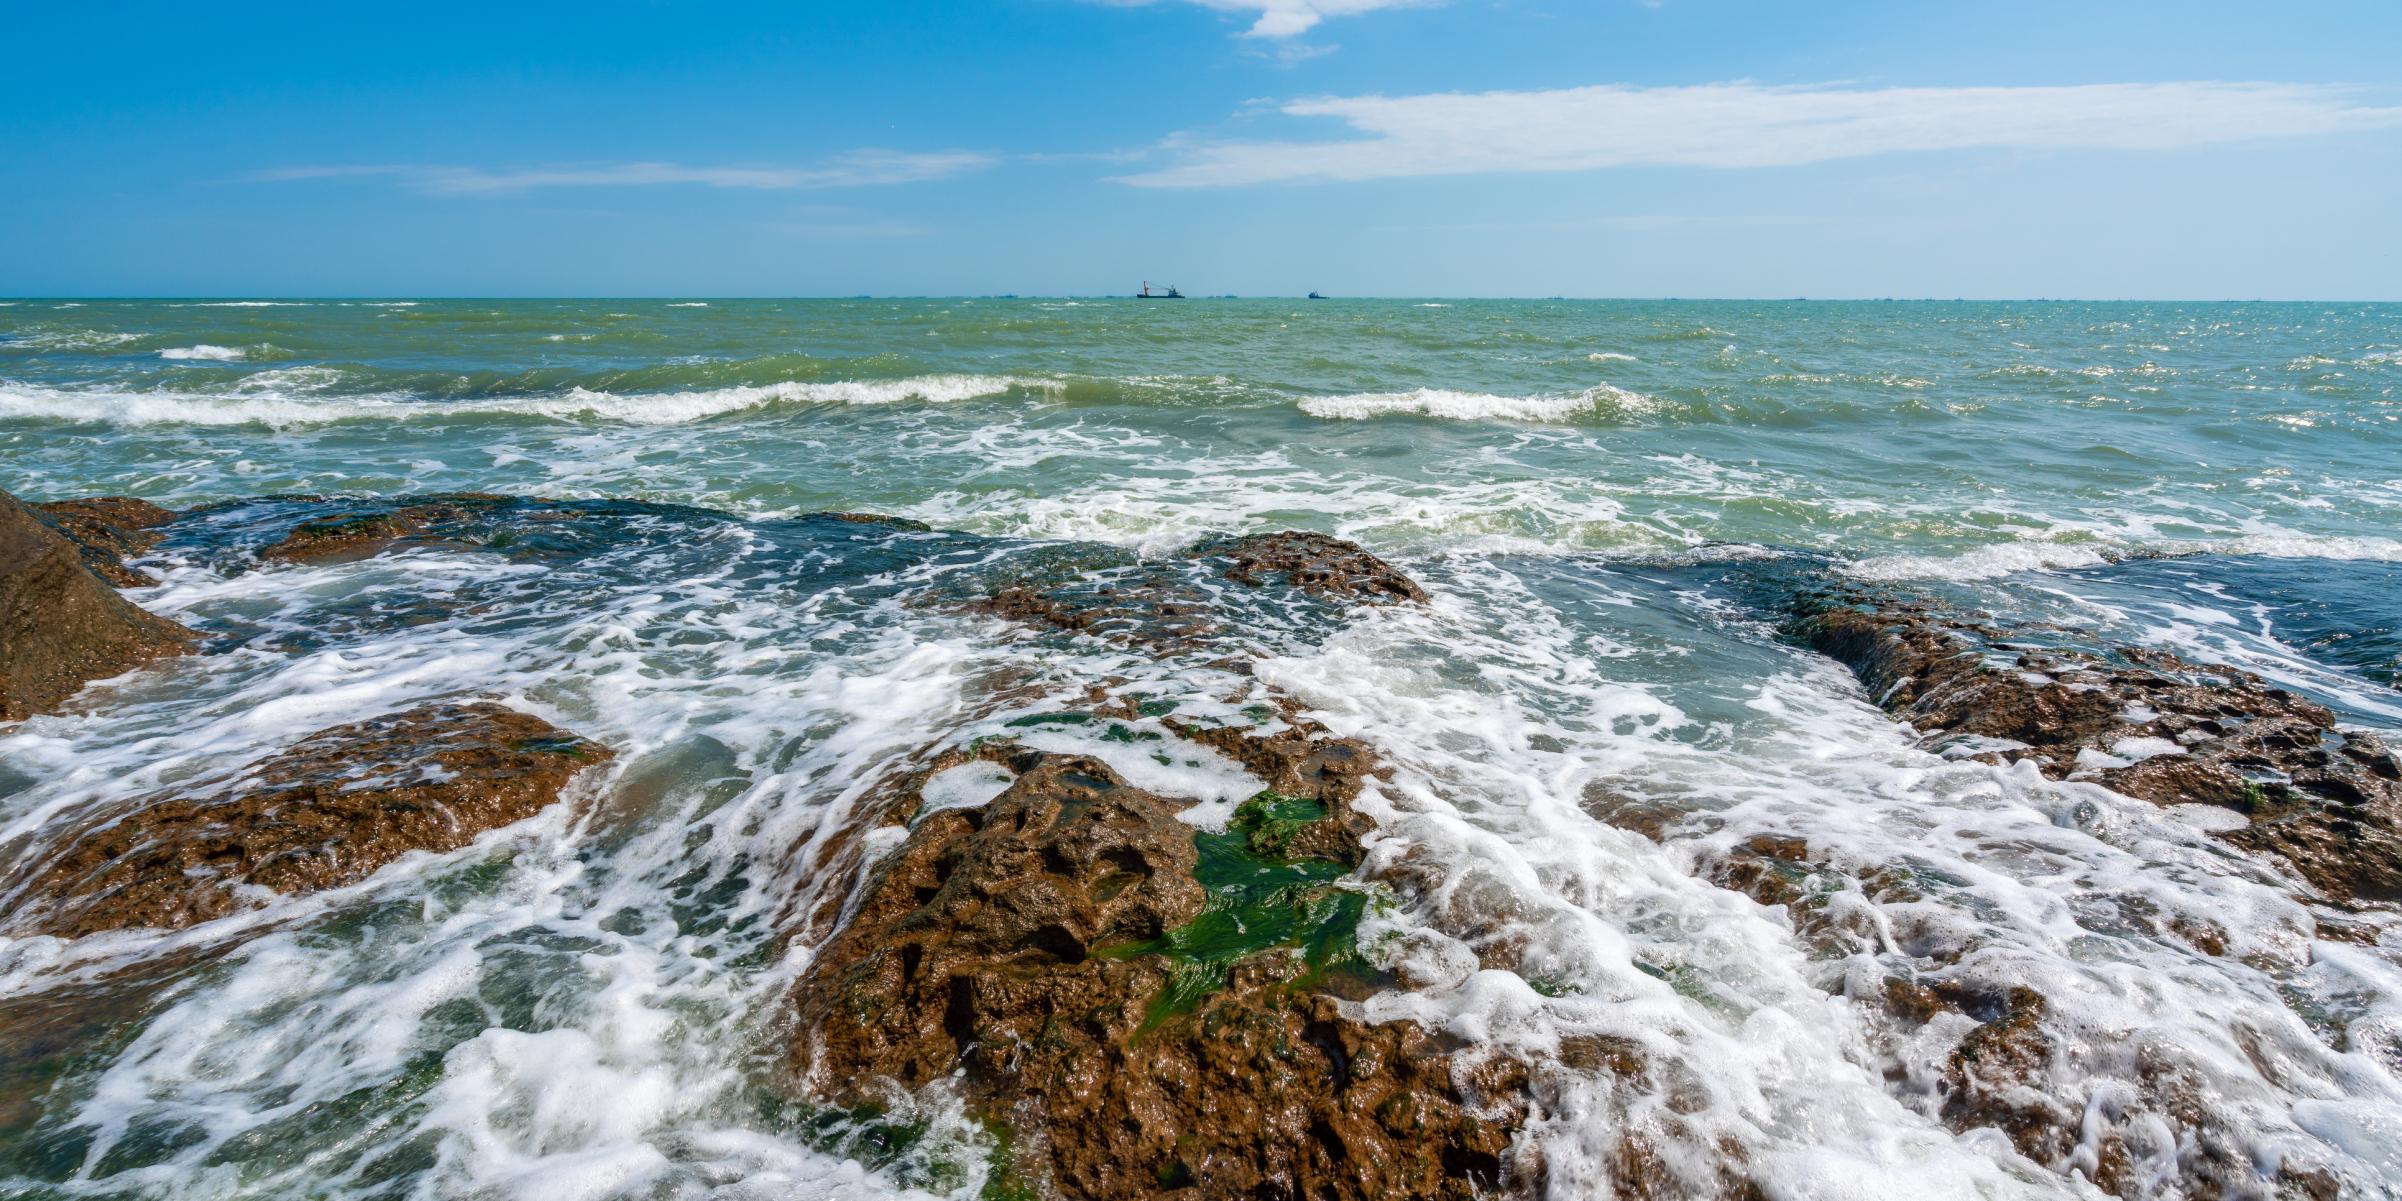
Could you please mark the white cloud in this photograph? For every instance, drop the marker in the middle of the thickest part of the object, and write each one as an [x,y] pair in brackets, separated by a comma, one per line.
[1755,125]
[1292,18]
[858,169]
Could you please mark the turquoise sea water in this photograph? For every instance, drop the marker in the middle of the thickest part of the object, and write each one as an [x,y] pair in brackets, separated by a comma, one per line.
[586,1006]
[2015,434]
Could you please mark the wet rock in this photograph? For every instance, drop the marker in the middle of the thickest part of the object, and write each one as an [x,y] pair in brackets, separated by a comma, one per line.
[108,531]
[2145,723]
[897,523]
[342,537]
[1314,563]
[1995,1076]
[61,626]
[1089,972]
[1147,612]
[330,811]
[1180,604]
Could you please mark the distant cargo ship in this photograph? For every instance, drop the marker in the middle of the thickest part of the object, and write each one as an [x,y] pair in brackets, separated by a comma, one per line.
[1315,296]
[1148,294]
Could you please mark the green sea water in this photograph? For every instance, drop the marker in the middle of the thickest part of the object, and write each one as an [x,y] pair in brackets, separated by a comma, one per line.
[1994,435]
[1596,496]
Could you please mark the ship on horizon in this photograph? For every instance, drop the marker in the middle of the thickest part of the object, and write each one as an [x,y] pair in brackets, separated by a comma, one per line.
[1148,294]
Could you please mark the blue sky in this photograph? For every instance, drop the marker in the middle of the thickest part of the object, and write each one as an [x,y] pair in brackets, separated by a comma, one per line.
[1360,147]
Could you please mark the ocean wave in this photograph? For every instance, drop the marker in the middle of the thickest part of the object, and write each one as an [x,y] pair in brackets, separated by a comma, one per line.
[1982,563]
[276,405]
[2011,558]
[1479,406]
[1609,356]
[205,352]
[69,339]
[689,304]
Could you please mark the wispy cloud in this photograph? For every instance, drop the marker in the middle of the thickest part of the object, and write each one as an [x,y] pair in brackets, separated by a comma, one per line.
[861,168]
[1754,125]
[1292,18]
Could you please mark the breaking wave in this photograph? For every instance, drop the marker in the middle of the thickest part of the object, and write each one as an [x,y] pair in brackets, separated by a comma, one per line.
[206,353]
[278,408]
[1481,406]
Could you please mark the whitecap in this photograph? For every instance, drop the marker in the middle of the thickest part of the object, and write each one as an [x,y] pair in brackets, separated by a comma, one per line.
[205,352]
[269,399]
[1476,406]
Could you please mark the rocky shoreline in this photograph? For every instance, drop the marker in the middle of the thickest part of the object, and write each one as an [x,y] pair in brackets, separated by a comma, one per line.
[1141,1004]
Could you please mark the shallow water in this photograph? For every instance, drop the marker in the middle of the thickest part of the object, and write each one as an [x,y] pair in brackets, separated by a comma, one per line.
[1595,494]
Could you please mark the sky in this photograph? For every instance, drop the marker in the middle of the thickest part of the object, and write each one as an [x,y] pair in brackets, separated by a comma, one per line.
[1700,148]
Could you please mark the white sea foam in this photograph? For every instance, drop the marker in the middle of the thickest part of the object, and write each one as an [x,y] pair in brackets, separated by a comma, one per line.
[1979,563]
[278,399]
[689,304]
[1479,406]
[1514,882]
[2010,558]
[78,339]
[205,352]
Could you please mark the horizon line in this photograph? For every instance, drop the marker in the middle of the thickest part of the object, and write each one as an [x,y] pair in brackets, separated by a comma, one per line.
[424,297]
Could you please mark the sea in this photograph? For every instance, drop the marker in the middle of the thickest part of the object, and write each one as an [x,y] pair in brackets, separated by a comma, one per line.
[588,1005]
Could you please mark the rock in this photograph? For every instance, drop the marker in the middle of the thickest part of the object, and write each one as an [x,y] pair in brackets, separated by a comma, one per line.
[108,530]
[1174,605]
[2145,723]
[329,811]
[342,537]
[897,523]
[60,625]
[1150,1012]
[1314,563]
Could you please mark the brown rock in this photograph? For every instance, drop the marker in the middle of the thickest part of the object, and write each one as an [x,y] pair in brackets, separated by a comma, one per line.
[898,523]
[1159,606]
[108,530]
[1020,946]
[327,812]
[2327,804]
[1314,563]
[60,625]
[343,537]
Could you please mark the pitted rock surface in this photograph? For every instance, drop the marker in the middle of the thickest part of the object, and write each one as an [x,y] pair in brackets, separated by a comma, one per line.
[1176,604]
[991,947]
[2325,802]
[330,811]
[1312,562]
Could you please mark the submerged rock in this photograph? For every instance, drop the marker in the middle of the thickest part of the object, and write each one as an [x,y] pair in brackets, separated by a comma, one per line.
[1151,1011]
[2327,803]
[341,537]
[329,811]
[61,626]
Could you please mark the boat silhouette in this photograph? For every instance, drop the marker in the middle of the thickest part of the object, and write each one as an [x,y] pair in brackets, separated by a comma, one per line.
[1148,294]
[1315,296]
